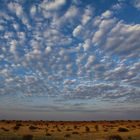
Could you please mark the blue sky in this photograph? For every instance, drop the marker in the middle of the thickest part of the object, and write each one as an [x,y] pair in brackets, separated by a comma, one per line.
[69,59]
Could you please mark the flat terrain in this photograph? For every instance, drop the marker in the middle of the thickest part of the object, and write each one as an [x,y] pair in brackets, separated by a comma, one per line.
[51,130]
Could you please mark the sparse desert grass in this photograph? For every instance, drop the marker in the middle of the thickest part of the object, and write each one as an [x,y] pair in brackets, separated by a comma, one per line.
[51,130]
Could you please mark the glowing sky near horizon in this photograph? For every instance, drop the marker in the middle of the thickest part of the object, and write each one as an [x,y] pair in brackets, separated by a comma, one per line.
[70,59]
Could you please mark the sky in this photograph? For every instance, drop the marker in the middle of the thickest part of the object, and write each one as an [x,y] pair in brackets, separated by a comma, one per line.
[69,59]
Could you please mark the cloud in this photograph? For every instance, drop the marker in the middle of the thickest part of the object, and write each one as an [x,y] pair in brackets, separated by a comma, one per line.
[77,30]
[33,10]
[107,14]
[87,15]
[16,7]
[13,44]
[71,12]
[52,5]
[68,82]
[48,50]
[136,4]
[69,52]
[118,37]
[87,44]
[125,37]
[104,26]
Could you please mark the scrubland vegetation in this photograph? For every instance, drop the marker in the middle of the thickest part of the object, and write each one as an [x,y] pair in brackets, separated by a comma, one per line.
[51,130]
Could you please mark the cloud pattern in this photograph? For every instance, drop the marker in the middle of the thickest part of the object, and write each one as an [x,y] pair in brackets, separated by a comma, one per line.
[63,51]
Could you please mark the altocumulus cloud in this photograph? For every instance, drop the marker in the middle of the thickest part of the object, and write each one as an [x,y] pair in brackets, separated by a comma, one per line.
[69,56]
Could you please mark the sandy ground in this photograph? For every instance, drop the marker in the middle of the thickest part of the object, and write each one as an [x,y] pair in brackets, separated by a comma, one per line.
[44,130]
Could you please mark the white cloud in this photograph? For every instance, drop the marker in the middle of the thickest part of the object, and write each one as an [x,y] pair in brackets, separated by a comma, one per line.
[69,65]
[136,4]
[22,37]
[17,8]
[97,37]
[123,38]
[117,6]
[107,14]
[52,5]
[13,45]
[67,81]
[16,26]
[87,44]
[71,12]
[90,61]
[77,30]
[48,50]
[104,27]
[33,10]
[87,15]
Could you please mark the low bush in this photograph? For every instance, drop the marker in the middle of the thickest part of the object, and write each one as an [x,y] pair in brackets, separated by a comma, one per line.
[97,127]
[48,134]
[121,129]
[32,127]
[87,129]
[75,133]
[114,137]
[4,129]
[68,129]
[67,136]
[16,127]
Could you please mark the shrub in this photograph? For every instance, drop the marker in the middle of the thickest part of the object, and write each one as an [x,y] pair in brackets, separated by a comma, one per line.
[114,137]
[27,137]
[48,134]
[87,129]
[4,129]
[18,124]
[67,136]
[68,129]
[133,126]
[121,129]
[97,127]
[32,127]
[58,130]
[16,127]
[75,133]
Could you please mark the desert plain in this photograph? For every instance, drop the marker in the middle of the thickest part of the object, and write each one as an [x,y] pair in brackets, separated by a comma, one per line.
[69,130]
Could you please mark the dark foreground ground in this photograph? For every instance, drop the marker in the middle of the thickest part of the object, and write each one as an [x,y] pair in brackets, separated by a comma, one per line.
[51,130]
